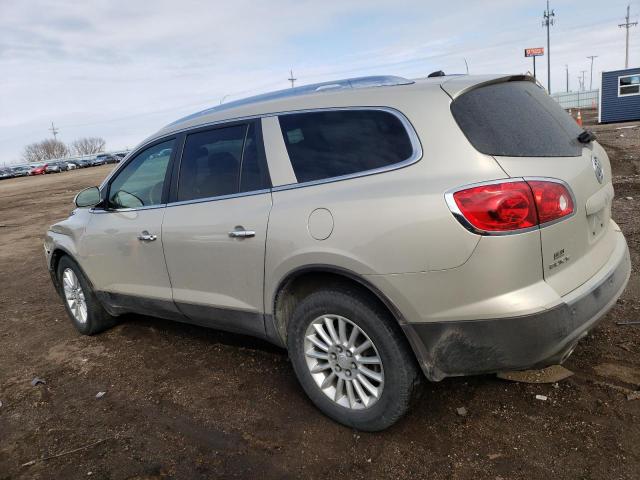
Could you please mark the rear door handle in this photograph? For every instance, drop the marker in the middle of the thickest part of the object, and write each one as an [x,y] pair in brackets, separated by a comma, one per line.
[146,237]
[240,232]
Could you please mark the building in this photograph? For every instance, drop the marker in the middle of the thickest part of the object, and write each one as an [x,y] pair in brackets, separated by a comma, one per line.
[620,96]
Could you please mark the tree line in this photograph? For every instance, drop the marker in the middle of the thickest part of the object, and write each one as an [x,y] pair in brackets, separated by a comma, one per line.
[50,149]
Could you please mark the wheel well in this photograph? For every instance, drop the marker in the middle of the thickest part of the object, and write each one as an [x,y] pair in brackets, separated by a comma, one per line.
[56,256]
[298,285]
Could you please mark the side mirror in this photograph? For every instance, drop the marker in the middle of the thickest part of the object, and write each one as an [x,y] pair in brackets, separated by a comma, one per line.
[89,197]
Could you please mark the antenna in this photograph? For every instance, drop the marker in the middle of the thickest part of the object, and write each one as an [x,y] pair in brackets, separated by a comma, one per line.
[54,130]
[547,21]
[291,78]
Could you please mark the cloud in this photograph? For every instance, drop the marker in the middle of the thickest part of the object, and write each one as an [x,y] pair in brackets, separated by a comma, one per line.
[122,69]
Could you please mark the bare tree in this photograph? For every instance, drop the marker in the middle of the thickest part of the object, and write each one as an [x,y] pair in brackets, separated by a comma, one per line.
[45,150]
[88,145]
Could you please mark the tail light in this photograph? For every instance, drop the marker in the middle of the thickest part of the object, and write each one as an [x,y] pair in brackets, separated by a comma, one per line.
[511,206]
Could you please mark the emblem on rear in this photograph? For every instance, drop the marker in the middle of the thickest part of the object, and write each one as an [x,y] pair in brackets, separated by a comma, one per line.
[597,168]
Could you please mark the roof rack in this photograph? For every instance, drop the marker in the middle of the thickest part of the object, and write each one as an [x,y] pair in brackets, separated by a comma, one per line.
[349,83]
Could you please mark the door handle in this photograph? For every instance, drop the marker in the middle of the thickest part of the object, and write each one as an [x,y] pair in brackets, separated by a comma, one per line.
[146,237]
[240,232]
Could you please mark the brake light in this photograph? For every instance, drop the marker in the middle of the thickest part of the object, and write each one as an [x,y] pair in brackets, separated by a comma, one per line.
[510,206]
[553,200]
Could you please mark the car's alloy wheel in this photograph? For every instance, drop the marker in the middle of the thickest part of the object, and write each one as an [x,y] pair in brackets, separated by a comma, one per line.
[74,295]
[344,362]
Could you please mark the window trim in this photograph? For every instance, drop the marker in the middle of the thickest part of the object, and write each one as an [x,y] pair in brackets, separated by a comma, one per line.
[247,122]
[180,136]
[622,95]
[415,156]
[105,186]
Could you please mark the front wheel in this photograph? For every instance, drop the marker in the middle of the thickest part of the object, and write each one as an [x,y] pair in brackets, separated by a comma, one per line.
[351,359]
[85,311]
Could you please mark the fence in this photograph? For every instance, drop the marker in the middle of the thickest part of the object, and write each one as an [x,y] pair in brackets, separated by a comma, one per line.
[586,99]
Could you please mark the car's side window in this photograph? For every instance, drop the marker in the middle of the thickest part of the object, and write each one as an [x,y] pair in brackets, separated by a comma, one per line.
[141,182]
[221,161]
[326,144]
[253,174]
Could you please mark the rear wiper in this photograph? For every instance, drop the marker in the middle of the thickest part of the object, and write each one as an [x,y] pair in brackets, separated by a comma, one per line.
[586,137]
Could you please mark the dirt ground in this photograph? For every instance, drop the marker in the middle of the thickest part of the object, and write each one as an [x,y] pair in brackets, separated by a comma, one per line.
[187,402]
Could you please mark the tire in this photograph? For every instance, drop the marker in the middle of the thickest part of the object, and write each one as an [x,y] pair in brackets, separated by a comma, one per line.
[398,367]
[96,319]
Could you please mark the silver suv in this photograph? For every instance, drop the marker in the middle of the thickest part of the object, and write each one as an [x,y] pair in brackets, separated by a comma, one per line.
[381,229]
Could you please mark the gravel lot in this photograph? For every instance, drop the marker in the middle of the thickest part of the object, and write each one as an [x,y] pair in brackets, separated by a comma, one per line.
[186,402]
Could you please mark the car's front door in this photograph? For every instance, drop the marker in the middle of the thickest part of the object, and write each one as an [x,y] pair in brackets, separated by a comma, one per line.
[214,231]
[122,245]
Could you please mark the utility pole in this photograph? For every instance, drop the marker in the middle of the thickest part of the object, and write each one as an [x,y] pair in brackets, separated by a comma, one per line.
[547,21]
[582,81]
[54,130]
[567,70]
[291,79]
[627,25]
[591,79]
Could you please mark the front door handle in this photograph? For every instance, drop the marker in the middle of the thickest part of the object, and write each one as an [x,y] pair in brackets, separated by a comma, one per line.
[146,237]
[240,232]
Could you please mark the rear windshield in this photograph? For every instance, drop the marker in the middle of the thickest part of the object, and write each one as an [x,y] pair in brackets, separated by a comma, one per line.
[516,119]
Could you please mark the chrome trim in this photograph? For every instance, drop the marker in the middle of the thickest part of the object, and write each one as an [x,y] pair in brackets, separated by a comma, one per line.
[220,197]
[114,210]
[406,123]
[408,126]
[453,206]
[154,139]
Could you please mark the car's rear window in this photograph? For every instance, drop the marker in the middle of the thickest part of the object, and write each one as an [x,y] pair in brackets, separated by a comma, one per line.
[328,144]
[516,119]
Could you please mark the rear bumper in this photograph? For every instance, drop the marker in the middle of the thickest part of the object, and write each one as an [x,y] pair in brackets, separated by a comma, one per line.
[468,347]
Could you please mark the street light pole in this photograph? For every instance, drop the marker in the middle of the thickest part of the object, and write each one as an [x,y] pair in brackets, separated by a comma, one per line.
[591,79]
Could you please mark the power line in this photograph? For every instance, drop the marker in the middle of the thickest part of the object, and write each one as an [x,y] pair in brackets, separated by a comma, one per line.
[627,25]
[54,130]
[591,78]
[547,21]
[291,79]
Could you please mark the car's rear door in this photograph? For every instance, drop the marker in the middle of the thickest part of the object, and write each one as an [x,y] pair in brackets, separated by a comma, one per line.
[530,136]
[121,248]
[215,228]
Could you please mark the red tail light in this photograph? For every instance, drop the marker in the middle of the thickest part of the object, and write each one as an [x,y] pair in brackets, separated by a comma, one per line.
[509,206]
[553,200]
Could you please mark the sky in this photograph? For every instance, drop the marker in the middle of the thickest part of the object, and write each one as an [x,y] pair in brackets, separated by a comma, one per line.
[122,69]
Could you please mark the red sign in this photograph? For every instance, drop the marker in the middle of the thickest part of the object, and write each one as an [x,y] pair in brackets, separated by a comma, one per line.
[534,52]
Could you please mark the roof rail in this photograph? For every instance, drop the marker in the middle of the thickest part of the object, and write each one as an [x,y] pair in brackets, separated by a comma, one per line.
[349,83]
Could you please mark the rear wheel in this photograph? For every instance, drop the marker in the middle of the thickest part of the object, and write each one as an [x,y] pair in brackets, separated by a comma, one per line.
[351,359]
[85,311]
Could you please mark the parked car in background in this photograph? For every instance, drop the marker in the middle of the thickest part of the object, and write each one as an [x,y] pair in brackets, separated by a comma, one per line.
[107,157]
[38,169]
[310,217]
[52,168]
[97,161]
[120,156]
[5,173]
[21,171]
[72,165]
[83,163]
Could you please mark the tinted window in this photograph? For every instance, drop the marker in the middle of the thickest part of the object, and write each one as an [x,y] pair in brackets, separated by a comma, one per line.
[141,181]
[253,175]
[334,143]
[516,119]
[213,163]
